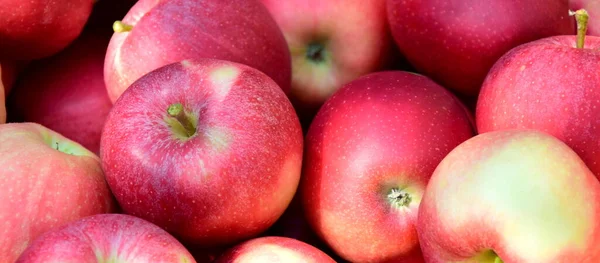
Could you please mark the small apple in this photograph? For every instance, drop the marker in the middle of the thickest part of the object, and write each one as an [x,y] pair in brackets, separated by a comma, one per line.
[34,29]
[511,196]
[369,154]
[66,92]
[209,150]
[456,42]
[46,181]
[155,33]
[274,250]
[107,238]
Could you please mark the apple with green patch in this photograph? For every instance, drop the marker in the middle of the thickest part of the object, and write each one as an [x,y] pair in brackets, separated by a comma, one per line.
[274,250]
[209,150]
[46,181]
[107,238]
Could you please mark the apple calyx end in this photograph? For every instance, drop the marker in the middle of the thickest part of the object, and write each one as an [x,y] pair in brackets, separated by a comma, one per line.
[315,52]
[582,17]
[120,27]
[398,198]
[178,113]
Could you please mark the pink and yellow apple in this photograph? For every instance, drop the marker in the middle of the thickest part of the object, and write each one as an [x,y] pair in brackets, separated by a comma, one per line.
[274,250]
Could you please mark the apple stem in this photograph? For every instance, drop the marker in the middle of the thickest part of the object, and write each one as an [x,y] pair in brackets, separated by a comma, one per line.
[399,198]
[581,16]
[176,111]
[120,27]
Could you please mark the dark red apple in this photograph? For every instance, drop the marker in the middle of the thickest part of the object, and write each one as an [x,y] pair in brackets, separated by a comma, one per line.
[274,250]
[369,154]
[35,29]
[209,150]
[107,238]
[456,42]
[66,92]
[155,33]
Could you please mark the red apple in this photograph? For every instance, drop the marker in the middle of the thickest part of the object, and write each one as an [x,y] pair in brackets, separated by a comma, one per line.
[209,150]
[511,196]
[274,250]
[155,33]
[593,8]
[66,93]
[369,154]
[456,42]
[46,181]
[35,29]
[323,40]
[548,85]
[107,238]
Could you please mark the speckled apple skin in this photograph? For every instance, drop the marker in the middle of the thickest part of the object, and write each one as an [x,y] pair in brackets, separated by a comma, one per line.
[456,42]
[42,188]
[107,238]
[274,250]
[383,130]
[229,182]
[166,32]
[551,86]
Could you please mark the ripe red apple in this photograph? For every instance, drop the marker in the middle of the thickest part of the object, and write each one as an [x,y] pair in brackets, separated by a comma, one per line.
[275,250]
[322,38]
[156,33]
[593,8]
[548,85]
[456,42]
[66,92]
[369,154]
[511,196]
[107,238]
[46,181]
[209,150]
[35,29]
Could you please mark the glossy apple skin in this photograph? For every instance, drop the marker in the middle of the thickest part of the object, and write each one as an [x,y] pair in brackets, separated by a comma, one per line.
[551,86]
[522,193]
[456,42]
[230,181]
[276,250]
[42,188]
[335,24]
[36,29]
[66,92]
[166,32]
[384,130]
[107,238]
[593,9]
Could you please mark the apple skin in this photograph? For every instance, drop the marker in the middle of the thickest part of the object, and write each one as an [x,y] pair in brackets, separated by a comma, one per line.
[275,250]
[547,85]
[36,29]
[66,92]
[382,131]
[107,238]
[43,188]
[593,8]
[521,194]
[227,183]
[166,32]
[332,25]
[456,42]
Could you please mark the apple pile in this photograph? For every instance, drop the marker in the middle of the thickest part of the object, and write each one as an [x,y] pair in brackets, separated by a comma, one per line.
[252,131]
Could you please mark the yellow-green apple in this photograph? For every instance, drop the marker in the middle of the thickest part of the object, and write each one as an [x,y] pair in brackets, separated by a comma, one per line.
[369,154]
[319,34]
[548,85]
[66,92]
[107,238]
[274,250]
[46,181]
[155,33]
[210,150]
[593,8]
[511,196]
[35,29]
[456,42]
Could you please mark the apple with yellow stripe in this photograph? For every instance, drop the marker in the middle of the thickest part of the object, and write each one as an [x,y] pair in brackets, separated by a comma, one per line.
[274,249]
[511,196]
[209,150]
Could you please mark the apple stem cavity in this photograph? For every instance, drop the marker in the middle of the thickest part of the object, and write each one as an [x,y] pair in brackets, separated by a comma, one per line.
[178,113]
[120,27]
[398,198]
[582,17]
[315,52]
